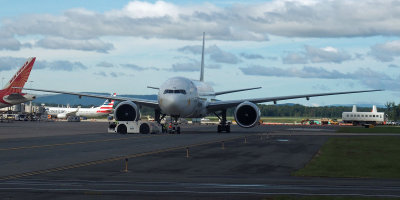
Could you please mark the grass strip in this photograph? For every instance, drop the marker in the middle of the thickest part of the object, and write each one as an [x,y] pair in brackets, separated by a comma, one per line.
[322,198]
[367,157]
[379,129]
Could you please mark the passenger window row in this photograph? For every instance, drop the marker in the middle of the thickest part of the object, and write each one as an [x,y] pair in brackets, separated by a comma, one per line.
[380,116]
[174,91]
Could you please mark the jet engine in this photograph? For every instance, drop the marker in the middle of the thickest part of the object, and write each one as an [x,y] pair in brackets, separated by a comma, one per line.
[61,116]
[126,111]
[247,114]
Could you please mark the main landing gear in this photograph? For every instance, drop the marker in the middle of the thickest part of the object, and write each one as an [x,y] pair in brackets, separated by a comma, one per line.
[223,125]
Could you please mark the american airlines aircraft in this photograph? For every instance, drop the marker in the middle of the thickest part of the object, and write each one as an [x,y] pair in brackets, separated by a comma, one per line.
[10,95]
[63,113]
[180,97]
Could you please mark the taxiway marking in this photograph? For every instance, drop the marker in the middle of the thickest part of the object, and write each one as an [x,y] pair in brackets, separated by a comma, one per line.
[129,156]
[73,143]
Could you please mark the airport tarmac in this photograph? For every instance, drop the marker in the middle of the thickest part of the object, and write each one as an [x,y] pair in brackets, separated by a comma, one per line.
[43,160]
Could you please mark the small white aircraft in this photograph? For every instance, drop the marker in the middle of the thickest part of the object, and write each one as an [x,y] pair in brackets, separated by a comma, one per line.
[63,113]
[181,97]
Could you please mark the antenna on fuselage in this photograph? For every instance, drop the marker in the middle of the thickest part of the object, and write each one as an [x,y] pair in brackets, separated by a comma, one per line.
[202,62]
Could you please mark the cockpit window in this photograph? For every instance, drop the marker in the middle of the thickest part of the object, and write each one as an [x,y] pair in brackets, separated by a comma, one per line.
[175,91]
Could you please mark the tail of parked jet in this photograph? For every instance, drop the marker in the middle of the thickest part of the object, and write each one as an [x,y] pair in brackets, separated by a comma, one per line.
[20,78]
[202,61]
[107,105]
[11,96]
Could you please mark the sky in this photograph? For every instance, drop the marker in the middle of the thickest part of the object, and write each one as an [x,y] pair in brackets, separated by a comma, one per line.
[287,47]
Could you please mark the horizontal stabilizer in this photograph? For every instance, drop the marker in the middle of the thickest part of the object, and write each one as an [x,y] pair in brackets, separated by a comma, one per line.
[14,96]
[151,87]
[232,91]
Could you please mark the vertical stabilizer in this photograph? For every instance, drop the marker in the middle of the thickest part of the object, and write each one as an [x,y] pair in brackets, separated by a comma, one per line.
[354,108]
[20,78]
[202,62]
[374,110]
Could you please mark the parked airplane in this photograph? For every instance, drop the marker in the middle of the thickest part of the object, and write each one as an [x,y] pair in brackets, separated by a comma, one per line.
[63,113]
[181,97]
[10,95]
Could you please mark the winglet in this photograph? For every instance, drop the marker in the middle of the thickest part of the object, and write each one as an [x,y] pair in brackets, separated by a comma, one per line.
[20,78]
[202,61]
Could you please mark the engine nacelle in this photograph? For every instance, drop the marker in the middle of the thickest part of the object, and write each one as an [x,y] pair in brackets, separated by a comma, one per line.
[126,111]
[61,116]
[247,114]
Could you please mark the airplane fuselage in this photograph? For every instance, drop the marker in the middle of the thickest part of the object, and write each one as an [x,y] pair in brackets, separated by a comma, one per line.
[182,97]
[81,112]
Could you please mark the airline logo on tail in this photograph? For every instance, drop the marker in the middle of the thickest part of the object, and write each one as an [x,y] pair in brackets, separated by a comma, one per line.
[107,106]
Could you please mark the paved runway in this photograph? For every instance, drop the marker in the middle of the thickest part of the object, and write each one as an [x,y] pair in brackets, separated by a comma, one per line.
[58,159]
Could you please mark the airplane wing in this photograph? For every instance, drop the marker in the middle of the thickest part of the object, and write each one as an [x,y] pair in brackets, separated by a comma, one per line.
[143,102]
[232,91]
[218,105]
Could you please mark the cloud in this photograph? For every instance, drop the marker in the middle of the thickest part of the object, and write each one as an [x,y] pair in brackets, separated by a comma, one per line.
[295,58]
[251,56]
[393,66]
[321,87]
[327,54]
[186,67]
[238,22]
[386,52]
[192,66]
[10,63]
[100,73]
[60,65]
[214,52]
[84,45]
[316,55]
[365,76]
[111,74]
[138,68]
[305,72]
[105,64]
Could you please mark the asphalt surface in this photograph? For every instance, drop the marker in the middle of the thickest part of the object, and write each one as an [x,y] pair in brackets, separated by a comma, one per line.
[47,160]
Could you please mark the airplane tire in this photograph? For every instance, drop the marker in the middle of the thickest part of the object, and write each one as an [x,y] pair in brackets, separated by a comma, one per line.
[122,129]
[219,128]
[228,128]
[144,129]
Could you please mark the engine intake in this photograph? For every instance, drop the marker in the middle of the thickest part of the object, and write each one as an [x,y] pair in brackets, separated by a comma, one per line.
[247,114]
[127,111]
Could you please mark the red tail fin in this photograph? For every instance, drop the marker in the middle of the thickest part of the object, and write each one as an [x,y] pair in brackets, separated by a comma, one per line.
[20,78]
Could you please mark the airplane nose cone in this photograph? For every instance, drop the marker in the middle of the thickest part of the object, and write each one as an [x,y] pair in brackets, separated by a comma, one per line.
[173,104]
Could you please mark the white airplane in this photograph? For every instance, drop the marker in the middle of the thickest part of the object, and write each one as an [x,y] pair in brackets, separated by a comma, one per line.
[180,97]
[10,95]
[63,113]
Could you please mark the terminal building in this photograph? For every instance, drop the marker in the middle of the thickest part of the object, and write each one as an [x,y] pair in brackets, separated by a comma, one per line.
[356,118]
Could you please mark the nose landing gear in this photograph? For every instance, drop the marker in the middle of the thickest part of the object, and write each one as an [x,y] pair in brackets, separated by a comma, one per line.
[223,125]
[174,126]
